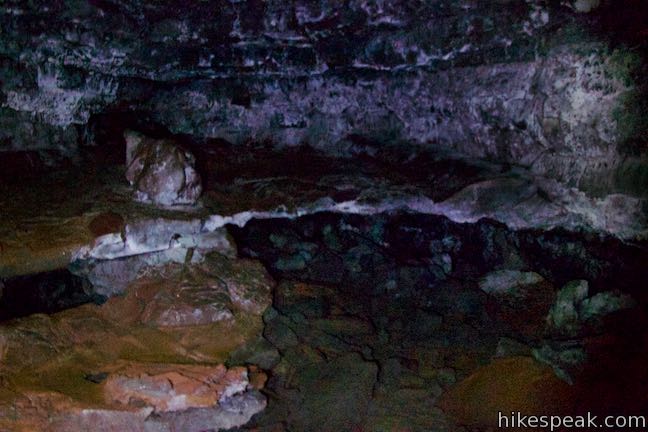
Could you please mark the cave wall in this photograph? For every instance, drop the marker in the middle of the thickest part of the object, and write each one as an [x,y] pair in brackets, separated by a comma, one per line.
[547,84]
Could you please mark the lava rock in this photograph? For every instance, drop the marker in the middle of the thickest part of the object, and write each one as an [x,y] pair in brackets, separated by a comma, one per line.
[574,308]
[509,283]
[585,6]
[567,359]
[522,300]
[153,356]
[602,304]
[161,172]
[563,316]
[525,82]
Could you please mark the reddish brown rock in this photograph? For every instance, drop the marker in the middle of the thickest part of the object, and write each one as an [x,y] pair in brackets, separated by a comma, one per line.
[174,387]
[108,367]
[514,384]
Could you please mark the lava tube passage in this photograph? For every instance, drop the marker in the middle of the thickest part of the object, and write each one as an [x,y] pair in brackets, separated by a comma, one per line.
[323,216]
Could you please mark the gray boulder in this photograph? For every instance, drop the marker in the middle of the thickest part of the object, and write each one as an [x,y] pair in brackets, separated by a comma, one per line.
[574,307]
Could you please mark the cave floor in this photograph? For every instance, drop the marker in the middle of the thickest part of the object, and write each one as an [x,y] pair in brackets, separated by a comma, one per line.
[405,322]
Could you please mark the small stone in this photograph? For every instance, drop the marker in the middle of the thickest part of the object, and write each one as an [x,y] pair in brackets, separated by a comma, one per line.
[509,282]
[161,172]
[585,6]
[566,361]
[603,304]
[522,298]
[563,316]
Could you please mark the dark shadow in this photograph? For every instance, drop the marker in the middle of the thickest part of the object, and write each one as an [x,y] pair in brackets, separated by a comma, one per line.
[47,292]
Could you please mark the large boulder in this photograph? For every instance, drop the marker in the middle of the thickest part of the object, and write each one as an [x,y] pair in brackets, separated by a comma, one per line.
[161,172]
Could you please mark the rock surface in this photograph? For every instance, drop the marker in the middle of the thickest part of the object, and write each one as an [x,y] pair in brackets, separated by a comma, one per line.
[418,323]
[574,307]
[160,172]
[519,384]
[563,316]
[90,217]
[419,176]
[171,388]
[393,321]
[551,85]
[150,360]
[523,299]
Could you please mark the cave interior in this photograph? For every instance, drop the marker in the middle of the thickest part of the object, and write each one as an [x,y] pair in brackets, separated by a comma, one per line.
[305,216]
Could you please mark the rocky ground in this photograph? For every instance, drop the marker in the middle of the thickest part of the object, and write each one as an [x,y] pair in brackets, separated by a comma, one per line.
[152,359]
[396,291]
[415,323]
